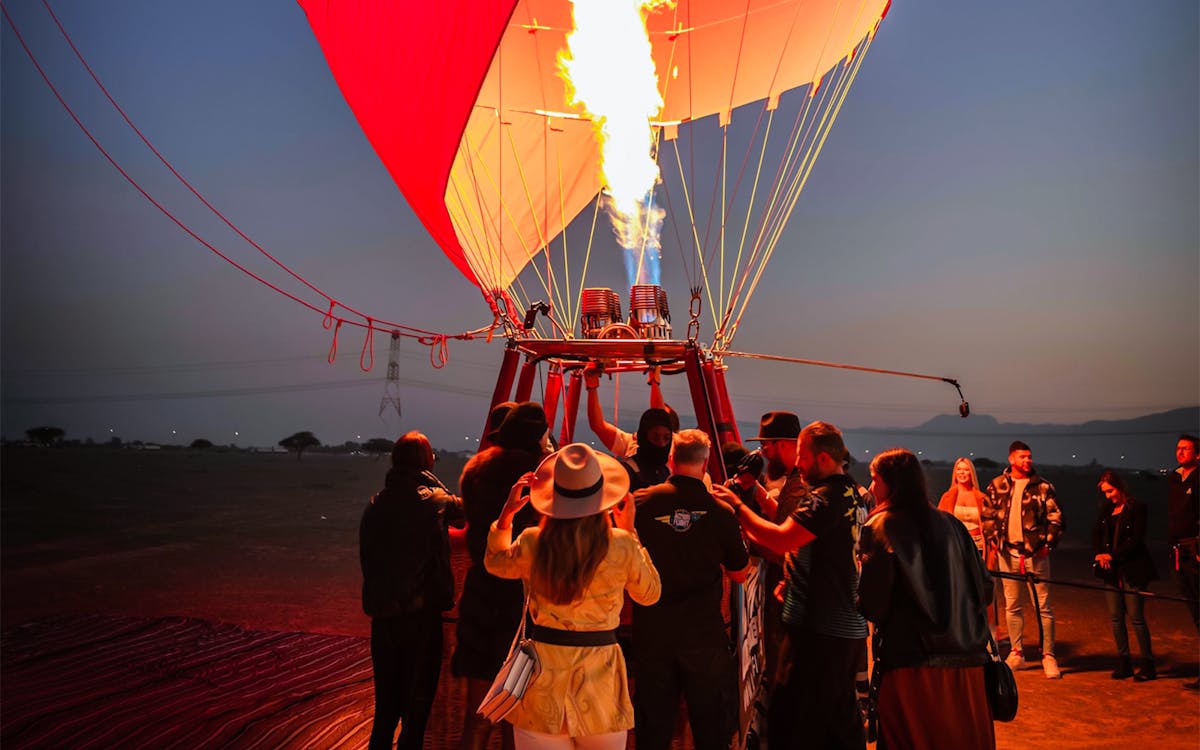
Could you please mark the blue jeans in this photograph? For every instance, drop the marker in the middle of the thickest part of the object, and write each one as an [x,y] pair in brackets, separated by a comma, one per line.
[1014,590]
[1119,602]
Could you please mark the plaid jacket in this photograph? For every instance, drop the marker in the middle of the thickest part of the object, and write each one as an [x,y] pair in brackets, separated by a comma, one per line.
[1041,518]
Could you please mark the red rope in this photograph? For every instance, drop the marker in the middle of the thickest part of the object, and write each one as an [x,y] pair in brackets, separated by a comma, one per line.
[408,331]
[368,350]
[333,345]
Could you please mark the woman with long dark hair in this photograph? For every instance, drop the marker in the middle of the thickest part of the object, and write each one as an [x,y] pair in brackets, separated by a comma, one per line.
[490,607]
[1123,562]
[576,566]
[925,588]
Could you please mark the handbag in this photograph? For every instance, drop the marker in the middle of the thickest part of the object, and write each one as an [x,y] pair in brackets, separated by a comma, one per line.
[1000,684]
[516,674]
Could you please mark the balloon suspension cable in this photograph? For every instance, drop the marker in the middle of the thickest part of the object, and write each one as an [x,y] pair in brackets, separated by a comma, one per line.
[964,409]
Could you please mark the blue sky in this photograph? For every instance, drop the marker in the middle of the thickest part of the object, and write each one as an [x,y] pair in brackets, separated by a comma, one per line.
[1008,197]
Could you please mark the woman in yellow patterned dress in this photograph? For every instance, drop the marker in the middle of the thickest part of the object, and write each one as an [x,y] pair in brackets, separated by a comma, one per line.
[576,565]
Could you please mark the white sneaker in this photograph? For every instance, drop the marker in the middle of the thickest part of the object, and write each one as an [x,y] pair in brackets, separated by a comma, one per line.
[1050,667]
[1015,660]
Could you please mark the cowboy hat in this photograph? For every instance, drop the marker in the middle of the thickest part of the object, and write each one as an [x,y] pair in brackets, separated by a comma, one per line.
[577,481]
[778,425]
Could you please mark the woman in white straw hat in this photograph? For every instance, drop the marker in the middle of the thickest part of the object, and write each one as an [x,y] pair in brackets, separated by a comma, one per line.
[576,566]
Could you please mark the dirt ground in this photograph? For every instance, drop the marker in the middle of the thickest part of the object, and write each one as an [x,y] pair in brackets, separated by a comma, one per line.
[269,542]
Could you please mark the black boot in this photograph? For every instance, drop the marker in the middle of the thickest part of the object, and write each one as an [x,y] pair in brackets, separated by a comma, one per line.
[1146,673]
[1124,669]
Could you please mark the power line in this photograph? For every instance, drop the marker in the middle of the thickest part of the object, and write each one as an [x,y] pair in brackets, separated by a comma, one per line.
[235,392]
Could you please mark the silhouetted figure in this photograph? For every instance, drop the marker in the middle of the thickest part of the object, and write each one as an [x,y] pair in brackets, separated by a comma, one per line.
[404,550]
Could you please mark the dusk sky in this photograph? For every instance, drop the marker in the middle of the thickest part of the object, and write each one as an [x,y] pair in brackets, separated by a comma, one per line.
[1008,197]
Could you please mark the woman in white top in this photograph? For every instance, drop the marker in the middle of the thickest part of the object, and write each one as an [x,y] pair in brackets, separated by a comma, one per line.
[963,500]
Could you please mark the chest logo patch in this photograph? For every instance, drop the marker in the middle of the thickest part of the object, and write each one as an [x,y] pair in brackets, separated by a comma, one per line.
[682,520]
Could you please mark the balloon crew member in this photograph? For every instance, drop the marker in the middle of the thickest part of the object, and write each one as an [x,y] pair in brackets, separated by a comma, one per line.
[680,643]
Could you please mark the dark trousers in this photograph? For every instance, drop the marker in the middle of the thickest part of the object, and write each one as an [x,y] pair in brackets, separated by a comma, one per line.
[813,704]
[1188,576]
[406,656]
[1119,602]
[707,679]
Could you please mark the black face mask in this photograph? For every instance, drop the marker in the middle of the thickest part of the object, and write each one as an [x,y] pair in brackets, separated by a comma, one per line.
[651,456]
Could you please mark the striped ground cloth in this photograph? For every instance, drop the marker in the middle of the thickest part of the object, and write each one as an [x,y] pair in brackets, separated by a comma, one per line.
[121,682]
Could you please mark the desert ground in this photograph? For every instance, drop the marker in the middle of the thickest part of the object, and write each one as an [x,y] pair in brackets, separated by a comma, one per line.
[269,543]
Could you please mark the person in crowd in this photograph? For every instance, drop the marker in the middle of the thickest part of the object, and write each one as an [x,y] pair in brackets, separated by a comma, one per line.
[644,454]
[575,566]
[1183,527]
[404,551]
[813,702]
[1022,520]
[776,496]
[495,419]
[680,644]
[490,608]
[743,472]
[926,589]
[964,500]
[1123,562]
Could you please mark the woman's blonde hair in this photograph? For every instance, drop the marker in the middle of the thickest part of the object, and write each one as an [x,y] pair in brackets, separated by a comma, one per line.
[568,552]
[971,467]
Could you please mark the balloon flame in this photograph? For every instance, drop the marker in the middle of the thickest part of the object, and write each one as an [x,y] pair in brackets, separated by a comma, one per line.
[609,71]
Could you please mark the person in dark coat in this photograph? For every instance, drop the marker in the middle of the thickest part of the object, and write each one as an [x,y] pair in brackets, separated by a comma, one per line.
[925,587]
[1124,563]
[404,551]
[490,608]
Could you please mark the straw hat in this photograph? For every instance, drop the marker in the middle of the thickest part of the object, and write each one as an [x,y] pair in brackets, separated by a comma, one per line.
[576,482]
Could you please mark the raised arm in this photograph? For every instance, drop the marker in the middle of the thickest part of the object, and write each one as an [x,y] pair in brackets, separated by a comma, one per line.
[595,412]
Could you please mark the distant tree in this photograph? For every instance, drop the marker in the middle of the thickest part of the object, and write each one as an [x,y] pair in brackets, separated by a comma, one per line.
[201,444]
[299,442]
[378,446]
[45,435]
[985,463]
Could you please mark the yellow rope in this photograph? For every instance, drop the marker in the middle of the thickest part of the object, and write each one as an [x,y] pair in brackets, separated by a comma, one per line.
[841,89]
[695,236]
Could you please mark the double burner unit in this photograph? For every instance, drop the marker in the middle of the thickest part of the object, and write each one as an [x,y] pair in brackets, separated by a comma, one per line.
[649,315]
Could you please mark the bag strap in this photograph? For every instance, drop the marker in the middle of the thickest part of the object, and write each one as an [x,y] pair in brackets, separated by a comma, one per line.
[993,649]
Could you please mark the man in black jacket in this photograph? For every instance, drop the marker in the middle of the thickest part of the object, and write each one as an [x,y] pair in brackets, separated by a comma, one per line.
[404,550]
[680,644]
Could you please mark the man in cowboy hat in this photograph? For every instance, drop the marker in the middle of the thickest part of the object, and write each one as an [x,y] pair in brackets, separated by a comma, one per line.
[680,644]
[813,702]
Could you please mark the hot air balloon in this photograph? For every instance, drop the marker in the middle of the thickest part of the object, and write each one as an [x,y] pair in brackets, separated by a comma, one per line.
[467,104]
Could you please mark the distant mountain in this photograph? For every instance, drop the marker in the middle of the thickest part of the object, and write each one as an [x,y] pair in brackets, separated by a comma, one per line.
[1141,442]
[1145,442]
